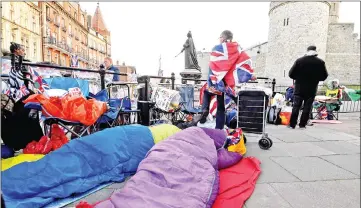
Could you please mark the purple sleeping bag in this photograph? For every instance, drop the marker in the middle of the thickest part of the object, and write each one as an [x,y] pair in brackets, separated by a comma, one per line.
[180,171]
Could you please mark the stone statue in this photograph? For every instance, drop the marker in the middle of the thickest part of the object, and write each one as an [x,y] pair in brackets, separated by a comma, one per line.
[190,54]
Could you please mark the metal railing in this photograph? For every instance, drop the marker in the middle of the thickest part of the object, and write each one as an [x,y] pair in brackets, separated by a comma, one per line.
[348,106]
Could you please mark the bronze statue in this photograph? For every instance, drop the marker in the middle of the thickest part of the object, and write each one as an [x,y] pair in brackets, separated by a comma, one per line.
[190,54]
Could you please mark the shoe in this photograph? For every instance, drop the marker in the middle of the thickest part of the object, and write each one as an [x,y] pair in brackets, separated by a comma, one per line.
[302,127]
[203,118]
[290,127]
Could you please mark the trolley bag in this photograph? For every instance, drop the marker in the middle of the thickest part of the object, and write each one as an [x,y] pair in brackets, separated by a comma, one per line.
[252,107]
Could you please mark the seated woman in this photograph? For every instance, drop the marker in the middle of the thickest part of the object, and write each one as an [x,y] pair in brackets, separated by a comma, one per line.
[332,100]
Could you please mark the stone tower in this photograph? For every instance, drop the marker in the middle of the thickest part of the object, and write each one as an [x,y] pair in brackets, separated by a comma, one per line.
[334,12]
[293,26]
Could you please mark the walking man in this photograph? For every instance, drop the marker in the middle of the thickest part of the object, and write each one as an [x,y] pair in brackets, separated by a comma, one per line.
[307,72]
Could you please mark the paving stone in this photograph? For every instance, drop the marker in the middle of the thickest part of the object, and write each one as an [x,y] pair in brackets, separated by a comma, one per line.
[291,135]
[339,147]
[347,162]
[329,135]
[273,172]
[356,142]
[118,185]
[264,196]
[303,149]
[255,138]
[338,194]
[254,150]
[313,168]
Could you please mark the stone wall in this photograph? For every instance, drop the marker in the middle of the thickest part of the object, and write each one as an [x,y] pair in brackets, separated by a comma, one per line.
[293,27]
[258,55]
[343,53]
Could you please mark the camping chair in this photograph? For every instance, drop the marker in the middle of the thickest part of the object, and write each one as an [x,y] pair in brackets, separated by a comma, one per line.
[160,103]
[125,114]
[187,103]
[329,105]
[76,129]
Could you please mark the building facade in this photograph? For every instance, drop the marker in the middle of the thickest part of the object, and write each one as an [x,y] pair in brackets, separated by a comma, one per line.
[296,25]
[56,32]
[65,34]
[21,24]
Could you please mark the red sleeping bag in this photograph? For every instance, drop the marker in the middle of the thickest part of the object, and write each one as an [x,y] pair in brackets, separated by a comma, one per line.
[237,183]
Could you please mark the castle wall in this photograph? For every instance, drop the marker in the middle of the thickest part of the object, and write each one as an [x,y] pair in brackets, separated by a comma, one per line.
[293,27]
[343,53]
[258,56]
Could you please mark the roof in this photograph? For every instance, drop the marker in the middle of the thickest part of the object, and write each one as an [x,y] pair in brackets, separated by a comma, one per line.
[98,23]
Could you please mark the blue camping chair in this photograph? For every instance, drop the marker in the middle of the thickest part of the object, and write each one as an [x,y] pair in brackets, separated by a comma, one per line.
[187,102]
[119,108]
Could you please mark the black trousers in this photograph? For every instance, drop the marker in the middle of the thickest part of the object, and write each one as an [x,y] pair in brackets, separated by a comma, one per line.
[221,109]
[307,108]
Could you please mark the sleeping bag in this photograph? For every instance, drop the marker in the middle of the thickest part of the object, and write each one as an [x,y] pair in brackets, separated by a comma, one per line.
[181,171]
[109,155]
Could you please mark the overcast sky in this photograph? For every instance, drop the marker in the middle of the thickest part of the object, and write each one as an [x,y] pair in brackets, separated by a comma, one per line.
[142,31]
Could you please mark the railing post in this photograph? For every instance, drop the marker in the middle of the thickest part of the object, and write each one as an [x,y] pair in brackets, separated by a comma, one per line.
[173,80]
[102,77]
[273,85]
[146,88]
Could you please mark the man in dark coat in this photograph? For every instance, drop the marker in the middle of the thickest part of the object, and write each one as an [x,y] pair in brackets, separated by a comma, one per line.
[307,72]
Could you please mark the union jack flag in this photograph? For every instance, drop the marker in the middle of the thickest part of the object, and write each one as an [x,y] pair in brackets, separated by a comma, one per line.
[229,65]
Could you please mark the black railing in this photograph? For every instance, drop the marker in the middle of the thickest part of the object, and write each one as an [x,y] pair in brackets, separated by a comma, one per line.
[18,65]
[348,106]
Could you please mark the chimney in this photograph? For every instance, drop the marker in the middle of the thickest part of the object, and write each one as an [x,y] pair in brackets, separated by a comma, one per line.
[117,62]
[123,63]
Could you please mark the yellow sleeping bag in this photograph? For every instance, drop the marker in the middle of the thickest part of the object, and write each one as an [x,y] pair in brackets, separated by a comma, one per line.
[10,162]
[163,131]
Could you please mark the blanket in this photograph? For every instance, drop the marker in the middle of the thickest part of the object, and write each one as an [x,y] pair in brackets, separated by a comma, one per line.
[80,165]
[229,65]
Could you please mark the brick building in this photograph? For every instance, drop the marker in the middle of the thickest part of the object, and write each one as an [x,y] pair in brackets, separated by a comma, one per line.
[21,24]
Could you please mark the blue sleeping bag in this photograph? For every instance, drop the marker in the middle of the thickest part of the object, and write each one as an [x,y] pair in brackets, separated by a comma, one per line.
[109,155]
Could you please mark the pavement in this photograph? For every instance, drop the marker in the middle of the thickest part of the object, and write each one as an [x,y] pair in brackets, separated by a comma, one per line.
[318,167]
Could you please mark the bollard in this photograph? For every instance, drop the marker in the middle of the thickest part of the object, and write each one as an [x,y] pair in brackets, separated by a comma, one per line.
[173,80]
[102,76]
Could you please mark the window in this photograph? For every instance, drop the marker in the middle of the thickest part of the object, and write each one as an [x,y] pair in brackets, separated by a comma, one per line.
[56,59]
[34,23]
[75,16]
[47,11]
[35,51]
[49,55]
[11,11]
[70,30]
[285,22]
[62,22]
[334,7]
[26,22]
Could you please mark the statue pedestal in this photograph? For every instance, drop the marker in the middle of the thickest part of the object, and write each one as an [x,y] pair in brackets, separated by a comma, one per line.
[191,74]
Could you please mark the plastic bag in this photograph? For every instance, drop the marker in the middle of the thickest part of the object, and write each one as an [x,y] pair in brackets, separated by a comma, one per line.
[45,145]
[285,115]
